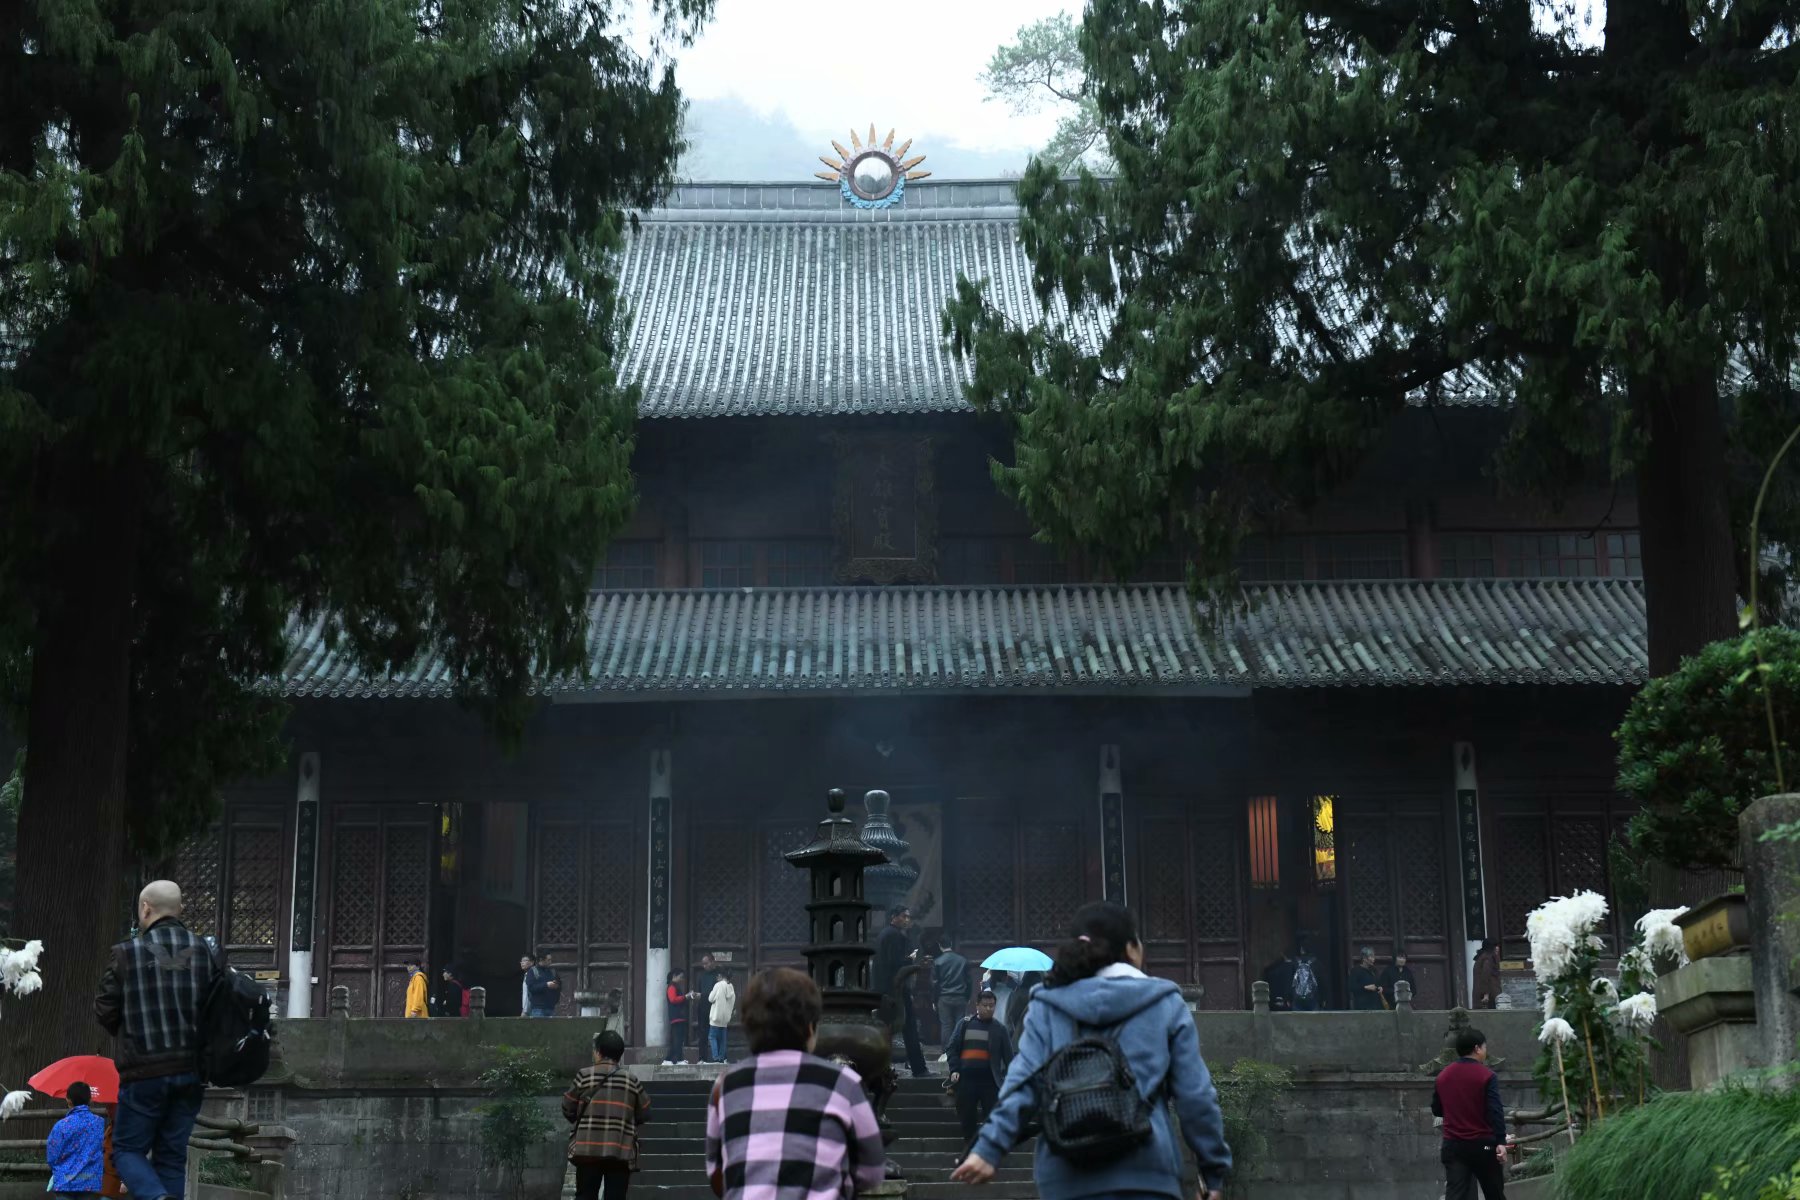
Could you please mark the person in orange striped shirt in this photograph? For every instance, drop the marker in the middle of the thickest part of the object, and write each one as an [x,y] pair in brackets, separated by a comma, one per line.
[980,1051]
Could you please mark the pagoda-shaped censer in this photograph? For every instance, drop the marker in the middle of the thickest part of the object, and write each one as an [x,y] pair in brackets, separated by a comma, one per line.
[840,957]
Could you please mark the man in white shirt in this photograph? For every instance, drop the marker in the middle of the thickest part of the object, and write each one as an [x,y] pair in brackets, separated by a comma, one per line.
[723,1001]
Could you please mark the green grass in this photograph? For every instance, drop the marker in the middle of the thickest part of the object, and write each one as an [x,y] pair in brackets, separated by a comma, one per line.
[1674,1145]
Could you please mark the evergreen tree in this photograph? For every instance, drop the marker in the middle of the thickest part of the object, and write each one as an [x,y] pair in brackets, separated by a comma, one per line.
[304,309]
[1041,69]
[1325,209]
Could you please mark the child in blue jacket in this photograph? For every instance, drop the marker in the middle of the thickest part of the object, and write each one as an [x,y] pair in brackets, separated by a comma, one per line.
[77,1148]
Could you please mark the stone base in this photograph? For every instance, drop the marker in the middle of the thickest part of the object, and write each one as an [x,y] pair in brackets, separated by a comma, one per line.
[1712,1001]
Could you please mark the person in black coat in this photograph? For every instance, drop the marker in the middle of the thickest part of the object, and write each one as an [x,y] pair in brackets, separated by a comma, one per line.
[1392,974]
[893,954]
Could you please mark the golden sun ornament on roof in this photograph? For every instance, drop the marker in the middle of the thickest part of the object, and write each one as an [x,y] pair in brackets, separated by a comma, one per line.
[872,176]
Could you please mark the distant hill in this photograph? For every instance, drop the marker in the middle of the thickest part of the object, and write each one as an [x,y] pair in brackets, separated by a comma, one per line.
[731,140]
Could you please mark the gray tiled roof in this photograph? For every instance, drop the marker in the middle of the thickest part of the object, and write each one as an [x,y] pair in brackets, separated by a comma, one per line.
[751,300]
[769,299]
[838,641]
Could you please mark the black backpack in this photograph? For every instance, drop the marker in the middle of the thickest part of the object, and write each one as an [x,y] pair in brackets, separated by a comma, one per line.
[1089,1106]
[235,1039]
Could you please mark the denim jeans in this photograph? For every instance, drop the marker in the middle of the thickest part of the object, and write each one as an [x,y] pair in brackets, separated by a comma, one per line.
[715,1037]
[154,1119]
[543,1010]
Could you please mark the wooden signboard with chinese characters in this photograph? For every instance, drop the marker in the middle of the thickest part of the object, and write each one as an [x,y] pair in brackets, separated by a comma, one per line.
[885,510]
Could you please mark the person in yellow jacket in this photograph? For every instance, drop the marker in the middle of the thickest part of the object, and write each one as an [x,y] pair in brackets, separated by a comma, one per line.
[415,991]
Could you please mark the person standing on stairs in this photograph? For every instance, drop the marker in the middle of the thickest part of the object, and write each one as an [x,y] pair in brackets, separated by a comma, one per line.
[1097,991]
[679,998]
[949,988]
[605,1105]
[980,1052]
[785,1124]
[721,1003]
[893,954]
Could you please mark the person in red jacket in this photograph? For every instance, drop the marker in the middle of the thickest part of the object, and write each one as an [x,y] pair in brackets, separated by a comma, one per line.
[1467,1097]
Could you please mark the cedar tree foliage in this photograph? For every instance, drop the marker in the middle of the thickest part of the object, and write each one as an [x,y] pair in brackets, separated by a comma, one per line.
[1325,210]
[305,308]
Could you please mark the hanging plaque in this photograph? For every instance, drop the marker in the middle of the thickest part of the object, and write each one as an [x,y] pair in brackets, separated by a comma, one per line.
[659,872]
[885,509]
[1468,846]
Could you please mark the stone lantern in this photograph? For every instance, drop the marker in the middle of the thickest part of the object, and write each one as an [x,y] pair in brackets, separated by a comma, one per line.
[840,957]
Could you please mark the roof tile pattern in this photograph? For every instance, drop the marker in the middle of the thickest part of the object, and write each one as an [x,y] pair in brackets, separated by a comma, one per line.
[841,641]
[737,318]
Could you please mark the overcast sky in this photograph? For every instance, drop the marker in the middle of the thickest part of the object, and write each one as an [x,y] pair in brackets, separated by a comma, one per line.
[909,65]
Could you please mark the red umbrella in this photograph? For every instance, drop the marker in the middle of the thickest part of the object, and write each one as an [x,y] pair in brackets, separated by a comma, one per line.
[98,1073]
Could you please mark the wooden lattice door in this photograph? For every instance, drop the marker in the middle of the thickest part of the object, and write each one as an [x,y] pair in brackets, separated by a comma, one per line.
[1554,846]
[745,899]
[585,893]
[1189,892]
[234,877]
[380,895]
[1010,881]
[1392,863]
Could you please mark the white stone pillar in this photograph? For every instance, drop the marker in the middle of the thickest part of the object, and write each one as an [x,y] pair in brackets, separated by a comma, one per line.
[658,910]
[1470,858]
[306,870]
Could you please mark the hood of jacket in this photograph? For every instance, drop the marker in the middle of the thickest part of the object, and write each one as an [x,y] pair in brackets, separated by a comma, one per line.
[1103,1002]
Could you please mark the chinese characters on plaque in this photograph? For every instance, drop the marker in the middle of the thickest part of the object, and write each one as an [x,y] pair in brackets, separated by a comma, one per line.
[885,510]
[659,872]
[1468,850]
[1112,845]
[306,838]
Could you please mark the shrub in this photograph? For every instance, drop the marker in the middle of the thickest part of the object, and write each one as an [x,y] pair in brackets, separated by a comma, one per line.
[1673,1146]
[1695,747]
[1250,1094]
[514,1122]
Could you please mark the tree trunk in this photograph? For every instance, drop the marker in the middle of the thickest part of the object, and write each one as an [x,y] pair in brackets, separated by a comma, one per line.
[1684,512]
[72,842]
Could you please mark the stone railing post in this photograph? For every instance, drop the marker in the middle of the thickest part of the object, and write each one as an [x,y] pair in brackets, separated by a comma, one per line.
[587,1004]
[477,1003]
[1191,995]
[1259,996]
[340,1003]
[1402,996]
[272,1144]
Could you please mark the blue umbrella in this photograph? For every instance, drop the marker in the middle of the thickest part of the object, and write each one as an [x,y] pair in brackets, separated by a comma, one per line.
[1017,958]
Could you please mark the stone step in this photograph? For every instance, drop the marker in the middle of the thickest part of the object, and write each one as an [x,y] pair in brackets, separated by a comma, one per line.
[919,1191]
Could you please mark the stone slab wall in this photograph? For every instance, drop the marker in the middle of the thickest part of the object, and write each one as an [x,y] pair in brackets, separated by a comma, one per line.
[386,1110]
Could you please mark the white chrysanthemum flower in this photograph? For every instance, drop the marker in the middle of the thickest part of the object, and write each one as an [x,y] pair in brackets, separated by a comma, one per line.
[14,1104]
[28,983]
[1661,935]
[1549,1003]
[1558,928]
[1606,988]
[1637,1012]
[1558,1029]
[16,964]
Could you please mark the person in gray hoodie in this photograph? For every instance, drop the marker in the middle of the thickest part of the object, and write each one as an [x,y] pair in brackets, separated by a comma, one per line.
[1098,987]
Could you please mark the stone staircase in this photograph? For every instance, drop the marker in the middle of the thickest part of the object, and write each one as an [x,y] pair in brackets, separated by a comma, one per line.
[674,1147]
